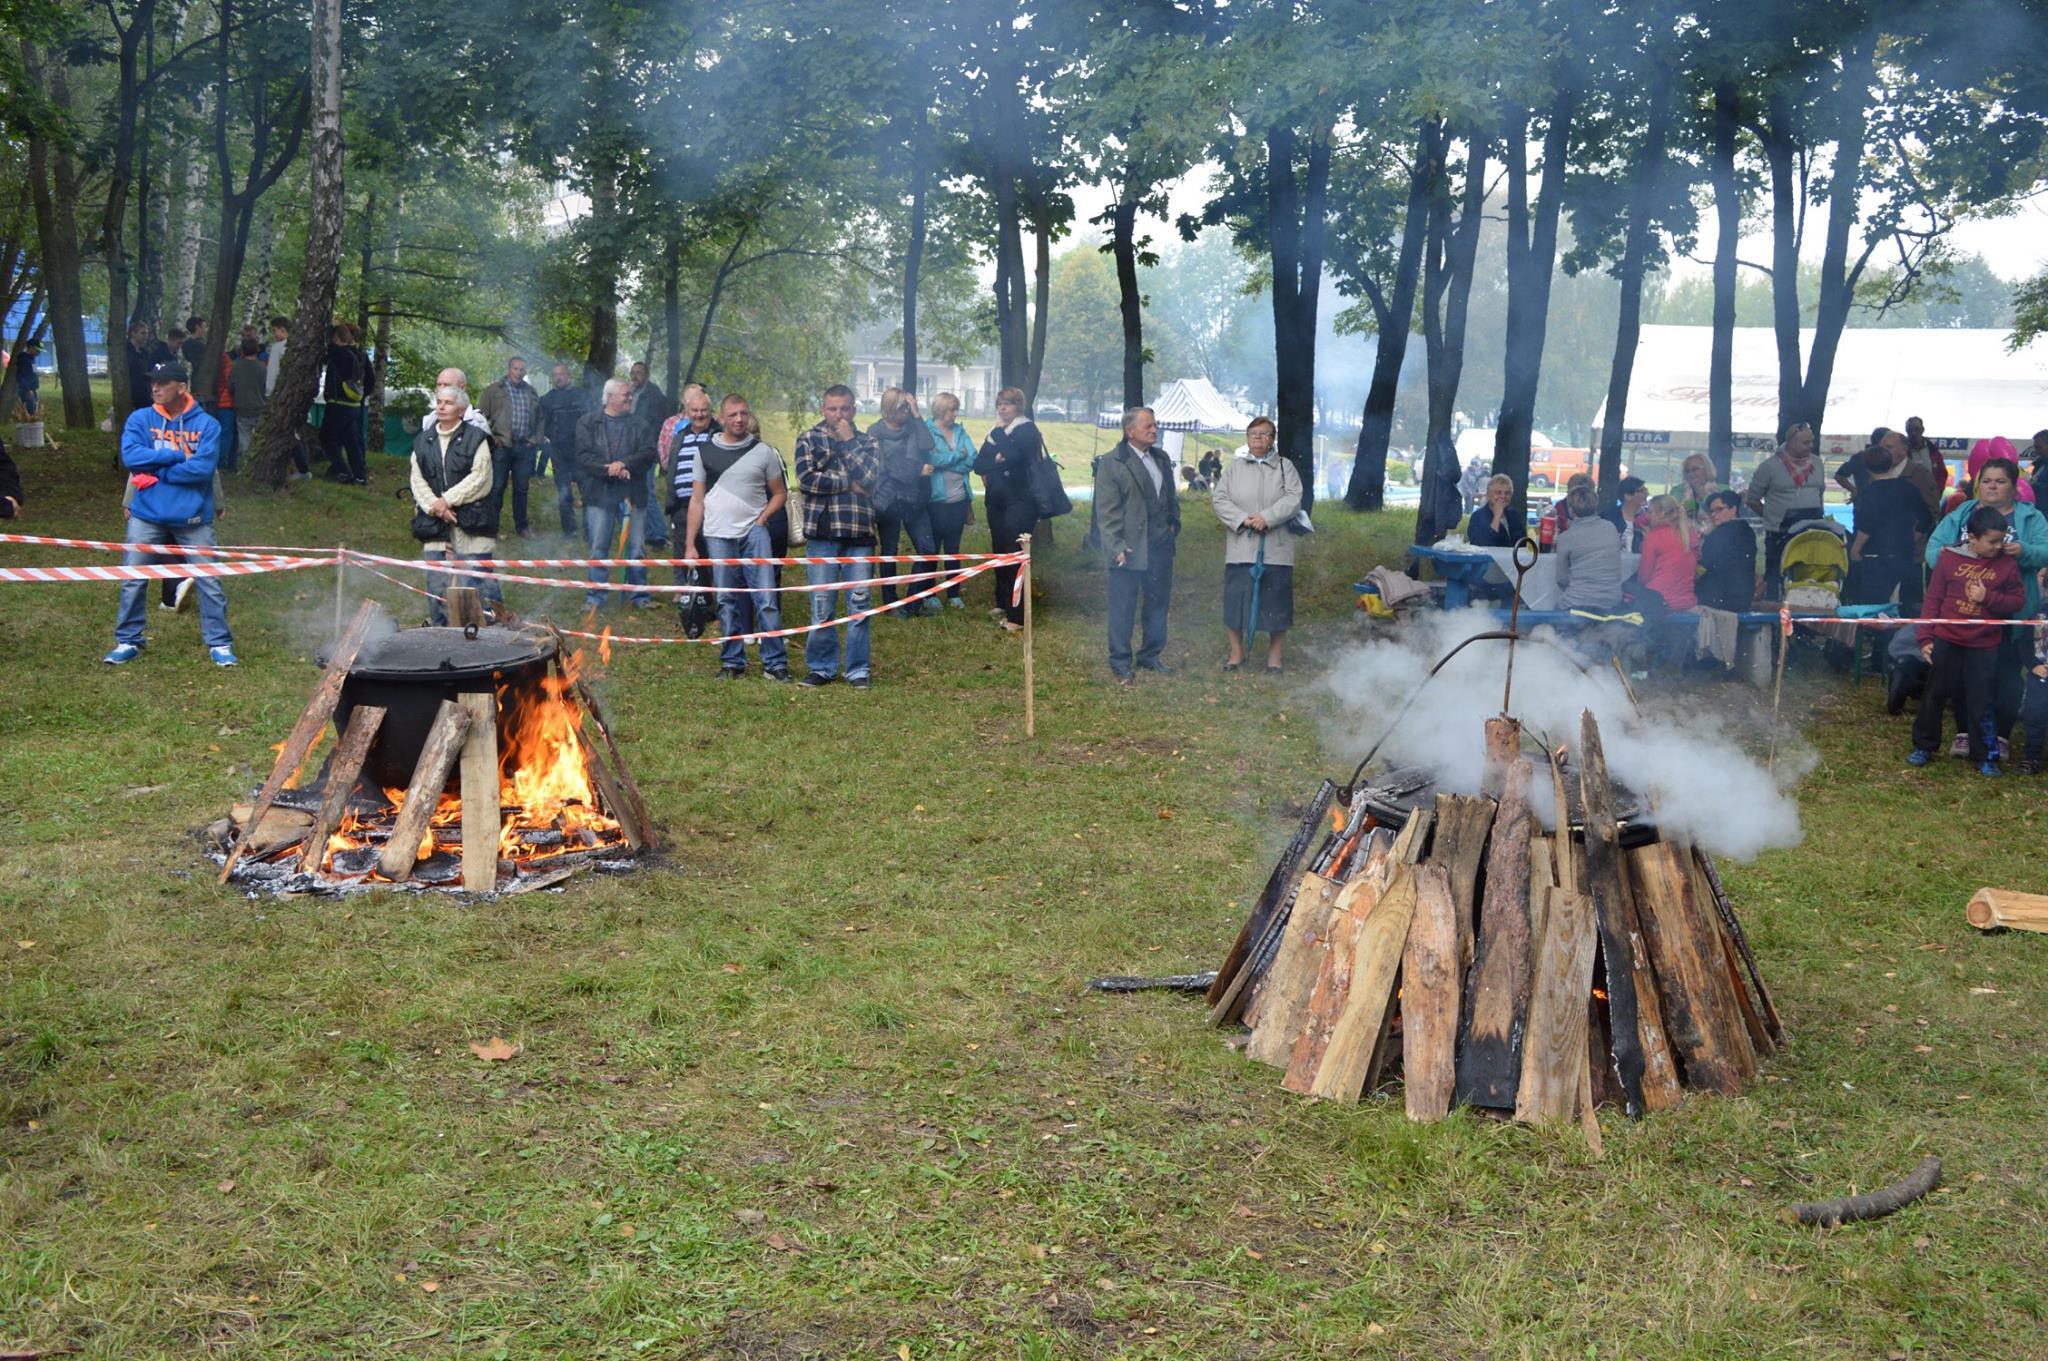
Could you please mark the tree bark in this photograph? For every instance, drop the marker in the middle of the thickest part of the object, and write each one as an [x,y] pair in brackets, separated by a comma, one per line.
[1041,303]
[1296,208]
[1395,320]
[1004,135]
[1838,276]
[380,358]
[601,360]
[672,309]
[1449,284]
[1776,136]
[725,269]
[53,185]
[1634,251]
[913,252]
[297,376]
[1124,245]
[258,313]
[1532,260]
[120,173]
[1727,240]
[191,212]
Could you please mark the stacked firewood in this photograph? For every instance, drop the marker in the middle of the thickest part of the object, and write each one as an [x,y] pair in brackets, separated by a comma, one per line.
[1494,965]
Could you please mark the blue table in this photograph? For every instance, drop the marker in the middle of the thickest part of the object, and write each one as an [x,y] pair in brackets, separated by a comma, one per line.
[1460,569]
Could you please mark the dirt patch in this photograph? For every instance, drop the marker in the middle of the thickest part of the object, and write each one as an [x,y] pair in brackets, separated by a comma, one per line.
[749,1338]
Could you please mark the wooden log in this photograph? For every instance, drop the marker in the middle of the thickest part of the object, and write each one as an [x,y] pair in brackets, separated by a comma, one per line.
[595,710]
[1639,1055]
[1462,823]
[1431,972]
[614,800]
[1503,749]
[1871,1205]
[1541,881]
[275,830]
[482,818]
[1733,927]
[1420,829]
[1991,908]
[363,722]
[1760,1041]
[1497,1001]
[313,721]
[1268,903]
[465,607]
[1702,1020]
[423,795]
[1376,959]
[1564,855]
[1554,1043]
[1275,1014]
[1333,982]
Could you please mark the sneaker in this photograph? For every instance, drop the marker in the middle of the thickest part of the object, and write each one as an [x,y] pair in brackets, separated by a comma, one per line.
[223,656]
[182,595]
[813,681]
[649,604]
[1919,756]
[780,675]
[997,613]
[731,672]
[859,682]
[122,654]
[1989,770]
[1960,748]
[2030,767]
[956,603]
[1160,668]
[1012,626]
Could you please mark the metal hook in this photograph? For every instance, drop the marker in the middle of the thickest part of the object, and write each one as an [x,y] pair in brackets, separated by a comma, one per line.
[1523,566]
[469,631]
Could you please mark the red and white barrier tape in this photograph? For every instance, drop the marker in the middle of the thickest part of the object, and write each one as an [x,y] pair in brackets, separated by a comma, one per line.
[240,550]
[162,571]
[463,567]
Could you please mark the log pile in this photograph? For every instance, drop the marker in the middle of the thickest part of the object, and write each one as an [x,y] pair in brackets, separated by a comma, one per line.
[1452,941]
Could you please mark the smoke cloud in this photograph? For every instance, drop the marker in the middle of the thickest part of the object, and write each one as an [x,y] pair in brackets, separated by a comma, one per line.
[1691,762]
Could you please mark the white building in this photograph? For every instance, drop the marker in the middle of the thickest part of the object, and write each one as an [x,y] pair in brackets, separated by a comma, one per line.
[877,363]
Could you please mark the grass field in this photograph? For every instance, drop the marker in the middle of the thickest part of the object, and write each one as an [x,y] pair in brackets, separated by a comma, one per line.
[825,1081]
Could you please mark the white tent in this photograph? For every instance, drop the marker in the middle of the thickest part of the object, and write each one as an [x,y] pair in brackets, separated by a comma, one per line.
[1963,383]
[1183,407]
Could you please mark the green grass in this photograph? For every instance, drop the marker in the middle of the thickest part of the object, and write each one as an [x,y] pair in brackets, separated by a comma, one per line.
[825,1081]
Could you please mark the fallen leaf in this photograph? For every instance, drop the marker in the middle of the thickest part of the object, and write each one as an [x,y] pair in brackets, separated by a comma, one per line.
[24,945]
[430,1286]
[1374,1329]
[1923,1049]
[136,791]
[918,809]
[1983,992]
[750,1217]
[226,1186]
[783,1244]
[733,968]
[496,1050]
[1255,1254]
[1166,815]
[903,1348]
[1036,1252]
[1242,1211]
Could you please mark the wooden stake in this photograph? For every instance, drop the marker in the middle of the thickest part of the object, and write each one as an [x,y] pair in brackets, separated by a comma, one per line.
[1704,1024]
[465,606]
[1489,1060]
[1990,908]
[1429,996]
[340,583]
[615,802]
[312,722]
[482,817]
[1376,959]
[1554,1047]
[423,795]
[1030,690]
[342,771]
[603,723]
[1778,697]
[1274,1014]
[1462,823]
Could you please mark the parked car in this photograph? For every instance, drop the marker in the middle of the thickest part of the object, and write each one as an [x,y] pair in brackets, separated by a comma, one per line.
[1049,411]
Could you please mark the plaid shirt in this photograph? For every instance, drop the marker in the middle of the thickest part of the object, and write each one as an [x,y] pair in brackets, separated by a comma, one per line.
[525,406]
[836,477]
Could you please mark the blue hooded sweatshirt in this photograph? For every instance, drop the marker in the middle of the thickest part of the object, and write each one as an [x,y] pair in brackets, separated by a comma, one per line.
[181,451]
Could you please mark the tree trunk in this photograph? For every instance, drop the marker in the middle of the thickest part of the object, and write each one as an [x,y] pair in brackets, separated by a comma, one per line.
[1452,251]
[913,251]
[120,172]
[366,263]
[1727,240]
[1041,305]
[286,410]
[1124,243]
[725,269]
[32,320]
[53,185]
[1532,259]
[1634,251]
[1368,486]
[1777,143]
[156,230]
[1295,213]
[1005,133]
[601,360]
[258,314]
[380,360]
[192,211]
[1838,277]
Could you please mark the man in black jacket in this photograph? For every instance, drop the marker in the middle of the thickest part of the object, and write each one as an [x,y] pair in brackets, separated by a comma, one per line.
[614,450]
[11,495]
[651,405]
[562,407]
[144,354]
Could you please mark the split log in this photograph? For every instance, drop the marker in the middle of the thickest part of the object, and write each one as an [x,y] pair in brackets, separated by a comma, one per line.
[1991,908]
[1733,926]
[1554,1045]
[1333,982]
[1503,749]
[1283,995]
[1419,837]
[275,830]
[1462,822]
[598,717]
[1429,996]
[465,607]
[1489,1059]
[423,795]
[1760,1041]
[1703,1020]
[1638,1052]
[313,721]
[1220,997]
[482,818]
[363,722]
[1541,881]
[1875,1205]
[1346,1066]
[614,800]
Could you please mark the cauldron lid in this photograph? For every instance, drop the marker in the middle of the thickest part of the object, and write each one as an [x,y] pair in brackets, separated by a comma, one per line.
[445,653]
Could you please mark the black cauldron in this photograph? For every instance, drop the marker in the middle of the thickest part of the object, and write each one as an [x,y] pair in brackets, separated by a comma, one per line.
[410,672]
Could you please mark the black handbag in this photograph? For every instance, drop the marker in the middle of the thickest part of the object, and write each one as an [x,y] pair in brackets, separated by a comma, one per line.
[1047,491]
[698,606]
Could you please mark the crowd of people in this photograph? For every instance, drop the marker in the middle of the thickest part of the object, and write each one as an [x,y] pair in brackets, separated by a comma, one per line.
[1967,562]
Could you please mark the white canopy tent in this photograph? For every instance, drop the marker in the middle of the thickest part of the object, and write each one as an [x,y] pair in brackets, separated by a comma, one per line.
[1187,406]
[1963,383]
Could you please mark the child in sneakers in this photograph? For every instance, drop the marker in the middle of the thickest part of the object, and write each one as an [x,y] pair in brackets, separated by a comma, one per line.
[1977,580]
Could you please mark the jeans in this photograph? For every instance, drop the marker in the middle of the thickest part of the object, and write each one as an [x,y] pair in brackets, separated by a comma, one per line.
[439,582]
[821,652]
[230,447]
[514,464]
[949,522]
[917,524]
[1008,523]
[341,439]
[1125,585]
[1968,674]
[134,607]
[657,522]
[564,464]
[245,434]
[746,604]
[601,535]
[2034,712]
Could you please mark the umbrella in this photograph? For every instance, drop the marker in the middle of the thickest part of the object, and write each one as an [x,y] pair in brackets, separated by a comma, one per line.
[1251,622]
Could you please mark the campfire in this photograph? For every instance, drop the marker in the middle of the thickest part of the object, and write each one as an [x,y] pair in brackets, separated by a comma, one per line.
[464,758]
[1448,939]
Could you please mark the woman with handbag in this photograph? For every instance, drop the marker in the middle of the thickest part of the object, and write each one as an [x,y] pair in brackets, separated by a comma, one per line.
[952,459]
[902,498]
[1008,459]
[454,513]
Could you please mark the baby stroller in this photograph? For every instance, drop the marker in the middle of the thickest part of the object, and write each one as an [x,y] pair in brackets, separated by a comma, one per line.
[1815,567]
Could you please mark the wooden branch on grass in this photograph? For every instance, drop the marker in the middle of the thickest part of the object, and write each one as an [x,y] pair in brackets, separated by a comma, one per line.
[1991,908]
[1875,1205]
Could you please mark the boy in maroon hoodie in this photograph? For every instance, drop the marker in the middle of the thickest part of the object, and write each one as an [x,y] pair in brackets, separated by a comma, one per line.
[1976,580]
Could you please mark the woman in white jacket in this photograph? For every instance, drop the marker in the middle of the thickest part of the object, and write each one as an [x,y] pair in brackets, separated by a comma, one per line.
[1255,497]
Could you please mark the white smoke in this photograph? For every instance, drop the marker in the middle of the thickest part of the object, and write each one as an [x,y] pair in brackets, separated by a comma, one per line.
[1694,764]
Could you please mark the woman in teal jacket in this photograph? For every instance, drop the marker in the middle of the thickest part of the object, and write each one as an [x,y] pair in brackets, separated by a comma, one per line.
[1997,486]
[952,458]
